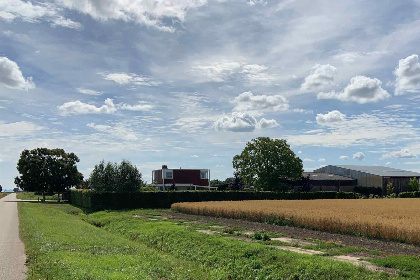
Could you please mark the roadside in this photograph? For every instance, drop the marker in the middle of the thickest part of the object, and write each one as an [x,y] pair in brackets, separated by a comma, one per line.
[149,244]
[12,250]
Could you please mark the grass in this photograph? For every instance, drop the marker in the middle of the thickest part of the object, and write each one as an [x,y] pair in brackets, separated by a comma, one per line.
[33,196]
[2,194]
[64,243]
[409,266]
[390,219]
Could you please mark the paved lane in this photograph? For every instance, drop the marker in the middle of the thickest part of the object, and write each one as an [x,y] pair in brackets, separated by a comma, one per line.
[12,253]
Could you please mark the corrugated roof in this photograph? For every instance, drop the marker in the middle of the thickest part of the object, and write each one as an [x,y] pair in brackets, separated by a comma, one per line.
[325,176]
[381,170]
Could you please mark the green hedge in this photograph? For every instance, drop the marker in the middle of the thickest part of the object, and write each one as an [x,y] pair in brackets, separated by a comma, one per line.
[409,194]
[101,201]
[368,190]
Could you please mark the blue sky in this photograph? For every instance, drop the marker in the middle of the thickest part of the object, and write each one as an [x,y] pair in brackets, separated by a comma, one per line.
[187,83]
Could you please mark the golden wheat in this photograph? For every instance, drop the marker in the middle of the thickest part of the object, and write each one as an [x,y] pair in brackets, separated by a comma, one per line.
[391,219]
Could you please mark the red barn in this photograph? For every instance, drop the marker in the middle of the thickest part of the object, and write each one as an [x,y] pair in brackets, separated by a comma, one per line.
[181,179]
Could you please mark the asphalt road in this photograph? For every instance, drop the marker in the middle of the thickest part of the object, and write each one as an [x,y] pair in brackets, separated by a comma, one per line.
[12,251]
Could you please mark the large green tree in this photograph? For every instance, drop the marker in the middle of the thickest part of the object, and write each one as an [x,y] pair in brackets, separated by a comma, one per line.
[113,177]
[268,164]
[45,170]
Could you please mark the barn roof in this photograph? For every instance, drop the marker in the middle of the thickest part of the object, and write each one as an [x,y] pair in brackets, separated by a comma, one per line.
[326,176]
[381,171]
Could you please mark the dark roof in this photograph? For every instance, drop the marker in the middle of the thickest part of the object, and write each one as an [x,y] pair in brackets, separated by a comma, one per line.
[381,170]
[325,176]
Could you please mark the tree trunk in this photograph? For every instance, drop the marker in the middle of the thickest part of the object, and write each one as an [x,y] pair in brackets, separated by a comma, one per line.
[58,199]
[43,196]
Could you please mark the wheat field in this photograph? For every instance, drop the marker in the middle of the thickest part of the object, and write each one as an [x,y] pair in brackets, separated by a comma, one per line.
[391,219]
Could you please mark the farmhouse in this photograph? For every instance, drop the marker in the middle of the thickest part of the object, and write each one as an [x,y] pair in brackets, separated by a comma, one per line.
[181,179]
[373,176]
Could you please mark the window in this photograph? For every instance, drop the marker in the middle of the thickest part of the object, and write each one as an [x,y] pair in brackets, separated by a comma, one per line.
[169,174]
[204,175]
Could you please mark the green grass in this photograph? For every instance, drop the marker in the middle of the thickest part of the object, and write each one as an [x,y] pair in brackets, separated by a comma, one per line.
[408,266]
[2,194]
[64,243]
[33,196]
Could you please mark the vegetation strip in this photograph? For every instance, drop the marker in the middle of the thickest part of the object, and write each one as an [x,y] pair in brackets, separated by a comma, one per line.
[116,245]
[374,218]
[345,241]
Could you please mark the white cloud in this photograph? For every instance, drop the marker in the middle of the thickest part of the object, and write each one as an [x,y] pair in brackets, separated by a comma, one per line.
[403,153]
[79,108]
[363,130]
[388,163]
[256,104]
[343,157]
[218,71]
[129,78]
[361,89]
[242,122]
[27,11]
[331,117]
[307,160]
[89,91]
[12,77]
[258,74]
[194,156]
[152,13]
[138,107]
[299,152]
[359,156]
[351,57]
[321,77]
[407,75]
[321,160]
[255,2]
[65,22]
[118,131]
[18,128]
[223,70]
[264,123]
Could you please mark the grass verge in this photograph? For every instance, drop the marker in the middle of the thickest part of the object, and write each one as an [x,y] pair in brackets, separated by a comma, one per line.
[409,266]
[33,196]
[64,243]
[3,194]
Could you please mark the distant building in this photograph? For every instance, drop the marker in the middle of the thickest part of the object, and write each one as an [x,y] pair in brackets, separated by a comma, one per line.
[373,176]
[181,179]
[327,182]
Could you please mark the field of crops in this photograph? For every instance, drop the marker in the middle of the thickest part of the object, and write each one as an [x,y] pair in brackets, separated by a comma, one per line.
[391,219]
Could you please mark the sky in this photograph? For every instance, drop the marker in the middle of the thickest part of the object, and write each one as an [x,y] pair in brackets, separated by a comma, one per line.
[188,83]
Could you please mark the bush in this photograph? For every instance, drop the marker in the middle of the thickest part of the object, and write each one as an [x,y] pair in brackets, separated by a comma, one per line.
[409,194]
[368,190]
[100,201]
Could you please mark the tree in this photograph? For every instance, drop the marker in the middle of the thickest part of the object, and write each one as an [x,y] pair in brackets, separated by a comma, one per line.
[389,189]
[45,170]
[1,188]
[414,184]
[113,177]
[268,164]
[236,183]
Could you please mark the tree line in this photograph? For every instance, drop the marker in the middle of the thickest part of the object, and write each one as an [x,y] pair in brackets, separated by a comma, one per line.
[265,164]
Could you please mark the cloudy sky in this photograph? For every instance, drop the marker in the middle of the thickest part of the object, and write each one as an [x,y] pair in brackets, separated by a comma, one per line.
[188,82]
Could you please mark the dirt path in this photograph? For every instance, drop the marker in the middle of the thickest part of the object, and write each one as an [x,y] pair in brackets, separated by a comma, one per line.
[12,251]
[388,247]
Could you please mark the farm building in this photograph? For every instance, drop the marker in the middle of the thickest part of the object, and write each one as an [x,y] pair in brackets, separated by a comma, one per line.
[181,179]
[328,182]
[373,176]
